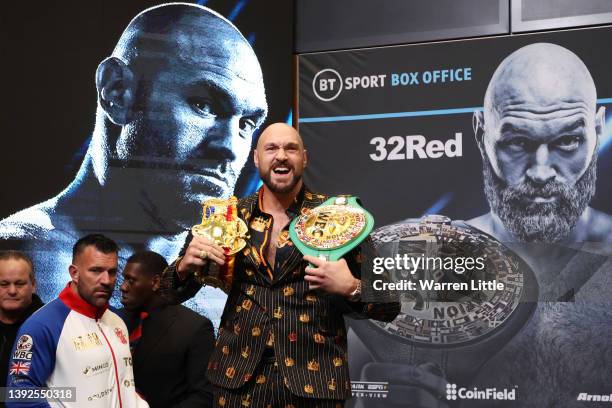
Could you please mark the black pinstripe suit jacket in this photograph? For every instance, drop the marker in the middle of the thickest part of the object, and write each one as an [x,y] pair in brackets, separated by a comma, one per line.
[305,328]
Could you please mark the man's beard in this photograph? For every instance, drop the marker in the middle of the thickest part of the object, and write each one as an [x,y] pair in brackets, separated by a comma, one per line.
[530,221]
[266,177]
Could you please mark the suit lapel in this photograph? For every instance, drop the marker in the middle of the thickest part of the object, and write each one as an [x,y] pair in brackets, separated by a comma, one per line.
[155,331]
[246,208]
[262,277]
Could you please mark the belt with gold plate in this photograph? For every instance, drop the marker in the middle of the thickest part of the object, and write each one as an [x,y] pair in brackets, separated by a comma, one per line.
[331,229]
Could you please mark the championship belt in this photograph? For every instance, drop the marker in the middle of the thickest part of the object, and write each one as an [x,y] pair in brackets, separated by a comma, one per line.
[458,332]
[221,224]
[332,229]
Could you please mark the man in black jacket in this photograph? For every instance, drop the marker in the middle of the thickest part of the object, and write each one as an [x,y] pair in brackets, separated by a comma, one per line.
[282,339]
[17,301]
[170,343]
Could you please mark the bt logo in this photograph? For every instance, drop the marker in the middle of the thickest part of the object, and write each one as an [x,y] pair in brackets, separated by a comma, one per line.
[327,84]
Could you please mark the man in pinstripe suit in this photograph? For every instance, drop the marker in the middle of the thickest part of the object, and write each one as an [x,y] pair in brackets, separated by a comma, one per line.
[282,340]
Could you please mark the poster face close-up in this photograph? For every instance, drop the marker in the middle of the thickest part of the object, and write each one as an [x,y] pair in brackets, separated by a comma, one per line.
[507,139]
[123,117]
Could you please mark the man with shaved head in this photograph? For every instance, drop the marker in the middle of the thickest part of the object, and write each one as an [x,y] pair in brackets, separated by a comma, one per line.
[538,136]
[179,100]
[282,340]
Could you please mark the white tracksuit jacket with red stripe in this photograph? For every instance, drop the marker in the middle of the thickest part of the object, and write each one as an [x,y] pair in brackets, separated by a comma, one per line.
[70,343]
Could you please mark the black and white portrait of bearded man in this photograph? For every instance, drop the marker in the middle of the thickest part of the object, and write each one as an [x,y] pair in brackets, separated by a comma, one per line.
[178,102]
[538,136]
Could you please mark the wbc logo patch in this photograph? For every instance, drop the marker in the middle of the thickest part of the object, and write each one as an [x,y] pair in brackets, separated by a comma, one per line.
[23,349]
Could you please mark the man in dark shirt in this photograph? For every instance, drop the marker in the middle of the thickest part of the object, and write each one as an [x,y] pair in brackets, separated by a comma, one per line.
[17,301]
[170,343]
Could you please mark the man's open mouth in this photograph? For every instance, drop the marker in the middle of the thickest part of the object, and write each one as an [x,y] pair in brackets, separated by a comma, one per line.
[281,170]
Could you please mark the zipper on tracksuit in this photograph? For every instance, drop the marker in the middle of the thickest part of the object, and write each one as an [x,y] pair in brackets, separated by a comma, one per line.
[114,364]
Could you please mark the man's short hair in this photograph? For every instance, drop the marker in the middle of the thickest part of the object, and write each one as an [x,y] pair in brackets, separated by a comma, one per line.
[98,241]
[151,262]
[19,256]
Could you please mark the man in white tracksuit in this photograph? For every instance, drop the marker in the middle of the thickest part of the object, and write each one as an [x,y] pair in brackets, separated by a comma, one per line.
[77,341]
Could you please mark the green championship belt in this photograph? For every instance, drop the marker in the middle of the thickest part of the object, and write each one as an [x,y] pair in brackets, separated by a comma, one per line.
[332,229]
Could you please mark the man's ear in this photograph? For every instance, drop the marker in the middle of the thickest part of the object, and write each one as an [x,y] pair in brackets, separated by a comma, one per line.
[305,157]
[478,126]
[600,122]
[255,158]
[156,282]
[116,87]
[74,273]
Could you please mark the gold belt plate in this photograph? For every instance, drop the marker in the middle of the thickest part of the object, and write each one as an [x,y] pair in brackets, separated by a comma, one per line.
[222,225]
[330,226]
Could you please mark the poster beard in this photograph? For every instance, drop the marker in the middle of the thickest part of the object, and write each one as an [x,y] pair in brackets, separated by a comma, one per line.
[529,221]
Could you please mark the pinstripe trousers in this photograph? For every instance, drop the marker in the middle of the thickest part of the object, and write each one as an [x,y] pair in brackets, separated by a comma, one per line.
[267,390]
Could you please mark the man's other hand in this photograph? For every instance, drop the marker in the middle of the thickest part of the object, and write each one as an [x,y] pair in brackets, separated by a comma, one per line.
[333,277]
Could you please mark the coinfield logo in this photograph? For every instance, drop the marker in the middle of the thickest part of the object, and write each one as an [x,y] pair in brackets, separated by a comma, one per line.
[453,393]
[327,84]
